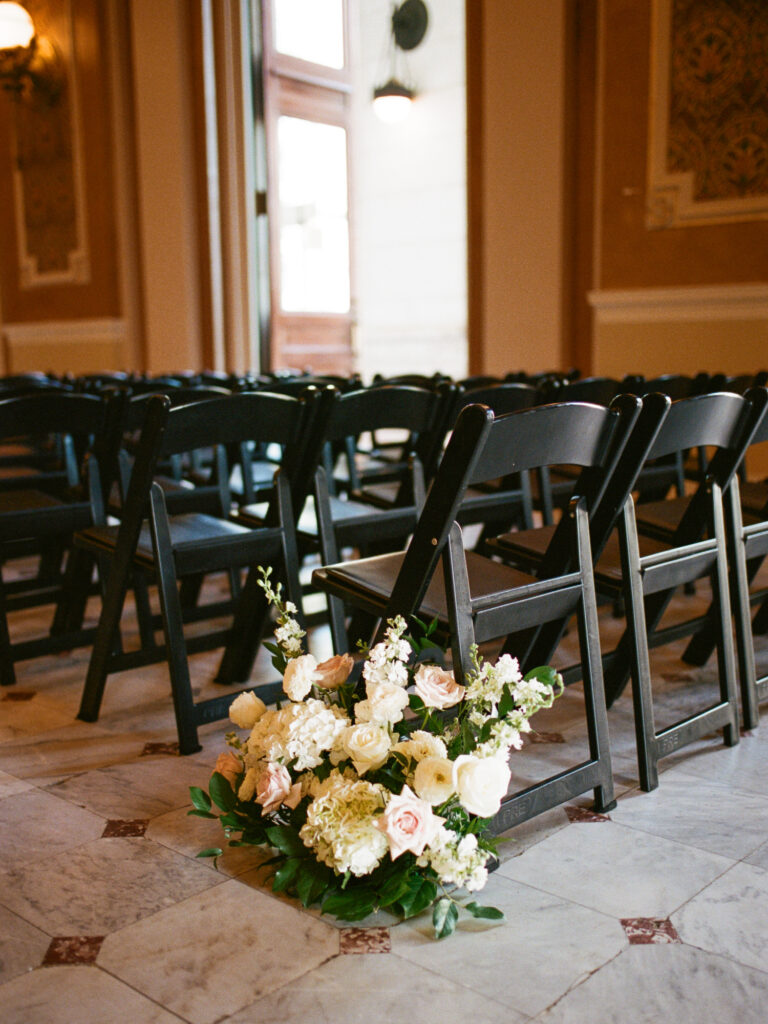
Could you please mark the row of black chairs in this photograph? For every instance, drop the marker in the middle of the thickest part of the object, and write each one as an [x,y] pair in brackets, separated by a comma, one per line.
[482,473]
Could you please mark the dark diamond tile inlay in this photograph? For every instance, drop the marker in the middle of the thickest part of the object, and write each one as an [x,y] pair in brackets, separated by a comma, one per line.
[121,828]
[645,931]
[365,940]
[160,748]
[583,814]
[19,695]
[73,949]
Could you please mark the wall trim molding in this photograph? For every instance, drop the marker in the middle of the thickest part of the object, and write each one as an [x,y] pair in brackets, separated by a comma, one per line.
[698,302]
[65,332]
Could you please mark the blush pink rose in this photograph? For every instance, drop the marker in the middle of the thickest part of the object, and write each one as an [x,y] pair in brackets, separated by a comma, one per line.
[437,688]
[408,823]
[332,673]
[273,787]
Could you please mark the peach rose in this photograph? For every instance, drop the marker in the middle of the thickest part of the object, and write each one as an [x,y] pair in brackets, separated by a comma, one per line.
[437,688]
[408,823]
[332,673]
[230,766]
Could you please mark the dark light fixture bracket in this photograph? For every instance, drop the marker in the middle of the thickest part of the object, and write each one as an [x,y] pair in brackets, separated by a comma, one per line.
[409,23]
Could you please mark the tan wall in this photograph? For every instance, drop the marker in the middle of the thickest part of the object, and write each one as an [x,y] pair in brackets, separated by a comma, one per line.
[59,257]
[516,174]
[677,299]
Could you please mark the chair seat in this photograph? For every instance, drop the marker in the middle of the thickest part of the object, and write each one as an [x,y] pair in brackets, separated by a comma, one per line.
[661,518]
[526,546]
[52,516]
[754,495]
[608,569]
[374,577]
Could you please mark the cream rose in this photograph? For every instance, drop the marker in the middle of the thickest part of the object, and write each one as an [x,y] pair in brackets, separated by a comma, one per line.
[437,688]
[299,676]
[366,744]
[332,673]
[408,823]
[246,709]
[480,783]
[433,779]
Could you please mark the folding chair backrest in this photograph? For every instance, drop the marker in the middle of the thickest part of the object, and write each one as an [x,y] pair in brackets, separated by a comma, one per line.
[484,448]
[725,421]
[73,419]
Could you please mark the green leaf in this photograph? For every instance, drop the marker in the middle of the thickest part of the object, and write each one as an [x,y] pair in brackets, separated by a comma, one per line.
[202,814]
[394,888]
[221,792]
[415,703]
[200,798]
[351,905]
[421,893]
[214,851]
[444,917]
[312,881]
[506,704]
[488,913]
[547,674]
[286,874]
[285,839]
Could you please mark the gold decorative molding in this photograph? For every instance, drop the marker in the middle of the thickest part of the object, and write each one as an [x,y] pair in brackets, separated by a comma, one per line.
[49,187]
[708,132]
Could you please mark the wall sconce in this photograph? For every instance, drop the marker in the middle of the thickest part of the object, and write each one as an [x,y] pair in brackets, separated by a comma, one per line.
[392,100]
[28,61]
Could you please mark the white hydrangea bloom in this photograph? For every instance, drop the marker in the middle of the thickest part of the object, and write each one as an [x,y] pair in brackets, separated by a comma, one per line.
[341,825]
[302,732]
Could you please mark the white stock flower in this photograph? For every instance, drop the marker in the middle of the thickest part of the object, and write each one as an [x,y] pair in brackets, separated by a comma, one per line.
[298,678]
[456,860]
[392,672]
[480,783]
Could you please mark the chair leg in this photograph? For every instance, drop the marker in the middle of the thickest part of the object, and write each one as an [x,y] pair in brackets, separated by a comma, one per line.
[726,659]
[642,687]
[176,649]
[73,596]
[7,671]
[594,692]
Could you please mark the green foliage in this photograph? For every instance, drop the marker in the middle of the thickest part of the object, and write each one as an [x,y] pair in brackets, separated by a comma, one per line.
[199,798]
[444,917]
[486,913]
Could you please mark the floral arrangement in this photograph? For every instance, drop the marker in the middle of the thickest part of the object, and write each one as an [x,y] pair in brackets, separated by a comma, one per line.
[376,792]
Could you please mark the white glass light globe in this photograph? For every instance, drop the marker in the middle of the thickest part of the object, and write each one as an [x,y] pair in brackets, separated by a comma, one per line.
[391,109]
[16,26]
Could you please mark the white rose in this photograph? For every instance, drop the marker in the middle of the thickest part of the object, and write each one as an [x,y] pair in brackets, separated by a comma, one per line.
[366,744]
[421,744]
[246,709]
[480,783]
[298,678]
[384,706]
[433,779]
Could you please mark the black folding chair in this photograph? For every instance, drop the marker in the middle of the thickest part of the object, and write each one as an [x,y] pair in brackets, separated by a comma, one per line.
[680,541]
[476,599]
[40,517]
[172,547]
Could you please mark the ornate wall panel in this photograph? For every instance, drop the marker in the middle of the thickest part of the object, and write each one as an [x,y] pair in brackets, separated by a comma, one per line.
[708,152]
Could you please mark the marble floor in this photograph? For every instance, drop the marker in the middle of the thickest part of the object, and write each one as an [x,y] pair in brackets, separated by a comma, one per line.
[655,912]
